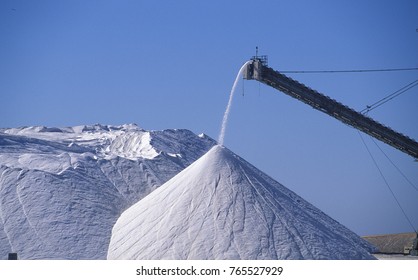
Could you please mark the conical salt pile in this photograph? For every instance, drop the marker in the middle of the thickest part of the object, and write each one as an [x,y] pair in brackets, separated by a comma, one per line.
[222,207]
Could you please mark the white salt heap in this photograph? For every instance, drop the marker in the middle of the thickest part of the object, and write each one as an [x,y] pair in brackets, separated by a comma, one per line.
[222,207]
[62,189]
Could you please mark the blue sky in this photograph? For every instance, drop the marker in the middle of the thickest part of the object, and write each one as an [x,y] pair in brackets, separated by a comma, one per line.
[171,64]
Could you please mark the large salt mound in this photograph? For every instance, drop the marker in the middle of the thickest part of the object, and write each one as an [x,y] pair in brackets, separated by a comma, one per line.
[62,189]
[221,207]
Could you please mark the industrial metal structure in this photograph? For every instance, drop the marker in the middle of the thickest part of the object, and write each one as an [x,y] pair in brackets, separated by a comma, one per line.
[258,70]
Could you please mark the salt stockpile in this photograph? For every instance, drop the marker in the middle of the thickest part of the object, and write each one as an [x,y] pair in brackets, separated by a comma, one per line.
[62,189]
[222,207]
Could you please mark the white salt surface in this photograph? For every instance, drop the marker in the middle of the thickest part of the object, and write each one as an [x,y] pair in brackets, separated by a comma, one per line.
[221,207]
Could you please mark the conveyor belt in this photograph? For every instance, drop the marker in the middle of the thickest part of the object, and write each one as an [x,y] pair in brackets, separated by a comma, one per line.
[259,71]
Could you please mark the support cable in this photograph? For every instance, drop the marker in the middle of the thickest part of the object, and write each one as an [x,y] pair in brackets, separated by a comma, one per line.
[376,104]
[397,168]
[387,184]
[349,71]
[389,97]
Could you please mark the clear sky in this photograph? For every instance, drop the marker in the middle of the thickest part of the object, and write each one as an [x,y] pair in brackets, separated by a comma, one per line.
[171,64]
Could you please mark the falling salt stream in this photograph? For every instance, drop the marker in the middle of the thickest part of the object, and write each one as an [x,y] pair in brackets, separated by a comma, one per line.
[228,107]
